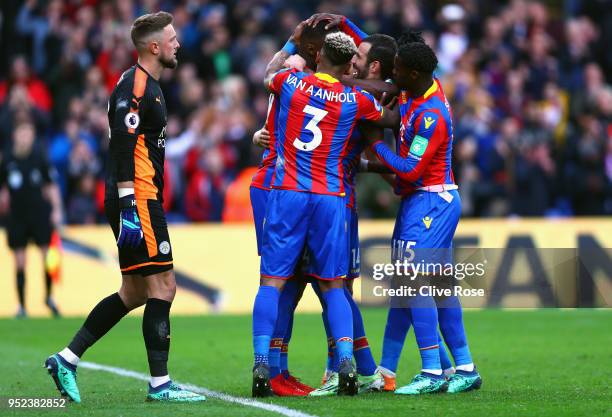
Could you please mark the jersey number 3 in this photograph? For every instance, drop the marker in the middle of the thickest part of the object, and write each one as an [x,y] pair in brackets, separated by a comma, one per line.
[317,136]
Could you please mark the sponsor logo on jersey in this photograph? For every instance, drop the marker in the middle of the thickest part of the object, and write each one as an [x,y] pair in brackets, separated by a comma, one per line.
[428,121]
[427,221]
[161,139]
[136,102]
[419,144]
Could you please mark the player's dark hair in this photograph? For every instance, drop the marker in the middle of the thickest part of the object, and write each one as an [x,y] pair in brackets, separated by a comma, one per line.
[417,56]
[315,34]
[147,24]
[410,36]
[383,50]
[339,48]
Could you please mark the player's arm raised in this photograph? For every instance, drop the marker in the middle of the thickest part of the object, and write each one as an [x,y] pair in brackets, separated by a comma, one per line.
[278,61]
[429,135]
[124,136]
[343,23]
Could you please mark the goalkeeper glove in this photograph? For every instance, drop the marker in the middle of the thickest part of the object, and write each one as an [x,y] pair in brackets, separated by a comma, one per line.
[130,230]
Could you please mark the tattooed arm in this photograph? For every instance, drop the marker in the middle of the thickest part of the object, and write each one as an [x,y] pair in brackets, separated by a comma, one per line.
[278,61]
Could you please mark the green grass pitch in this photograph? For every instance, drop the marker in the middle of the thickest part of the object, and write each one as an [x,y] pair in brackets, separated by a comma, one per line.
[533,363]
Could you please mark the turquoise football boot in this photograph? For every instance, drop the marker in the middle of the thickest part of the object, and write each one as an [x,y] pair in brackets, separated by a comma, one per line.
[170,392]
[64,375]
[424,383]
[463,381]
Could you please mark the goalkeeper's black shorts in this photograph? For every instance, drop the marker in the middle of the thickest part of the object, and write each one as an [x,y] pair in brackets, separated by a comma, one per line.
[154,254]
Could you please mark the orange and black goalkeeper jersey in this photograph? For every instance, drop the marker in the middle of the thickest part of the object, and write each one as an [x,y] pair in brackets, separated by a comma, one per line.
[137,119]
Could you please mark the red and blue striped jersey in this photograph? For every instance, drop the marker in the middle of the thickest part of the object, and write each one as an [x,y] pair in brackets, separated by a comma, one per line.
[425,143]
[355,147]
[265,172]
[316,117]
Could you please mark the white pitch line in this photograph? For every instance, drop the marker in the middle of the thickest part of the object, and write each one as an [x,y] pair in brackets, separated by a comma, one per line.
[289,412]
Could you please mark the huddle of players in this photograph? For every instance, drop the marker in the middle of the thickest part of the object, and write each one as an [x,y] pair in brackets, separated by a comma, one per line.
[303,200]
[308,203]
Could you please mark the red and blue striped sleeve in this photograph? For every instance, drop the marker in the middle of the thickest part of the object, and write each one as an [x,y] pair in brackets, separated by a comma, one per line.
[430,134]
[369,107]
[277,80]
[352,30]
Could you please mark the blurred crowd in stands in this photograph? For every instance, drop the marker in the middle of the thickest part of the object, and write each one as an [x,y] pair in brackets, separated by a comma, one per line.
[529,83]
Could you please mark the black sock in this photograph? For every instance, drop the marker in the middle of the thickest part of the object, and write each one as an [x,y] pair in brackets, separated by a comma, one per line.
[47,284]
[156,332]
[102,318]
[21,287]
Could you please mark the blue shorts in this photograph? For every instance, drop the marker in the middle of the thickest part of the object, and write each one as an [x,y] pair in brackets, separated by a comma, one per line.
[426,221]
[353,241]
[354,260]
[297,220]
[259,201]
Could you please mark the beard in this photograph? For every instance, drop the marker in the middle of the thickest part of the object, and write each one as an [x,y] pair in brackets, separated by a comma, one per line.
[359,73]
[169,62]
